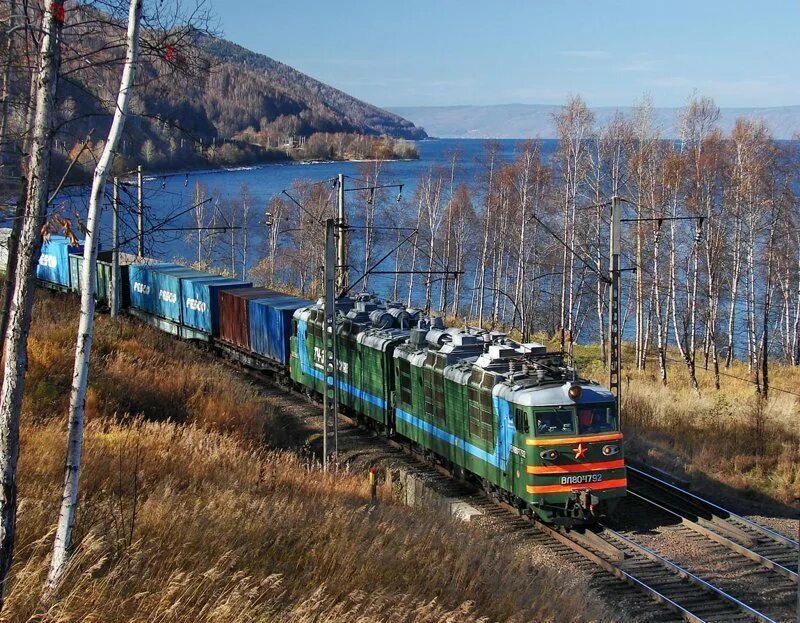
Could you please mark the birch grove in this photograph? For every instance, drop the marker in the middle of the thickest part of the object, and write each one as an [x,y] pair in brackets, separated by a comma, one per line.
[711,269]
[16,337]
[46,44]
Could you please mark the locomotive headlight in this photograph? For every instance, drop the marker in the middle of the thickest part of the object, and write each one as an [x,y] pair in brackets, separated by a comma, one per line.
[574,392]
[610,450]
[549,455]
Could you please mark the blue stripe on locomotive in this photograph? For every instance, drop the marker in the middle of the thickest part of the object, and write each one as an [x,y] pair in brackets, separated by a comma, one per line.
[271,325]
[308,368]
[53,264]
[200,298]
[502,410]
[502,449]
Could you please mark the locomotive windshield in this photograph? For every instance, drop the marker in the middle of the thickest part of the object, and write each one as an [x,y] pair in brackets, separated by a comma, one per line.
[596,419]
[590,419]
[554,422]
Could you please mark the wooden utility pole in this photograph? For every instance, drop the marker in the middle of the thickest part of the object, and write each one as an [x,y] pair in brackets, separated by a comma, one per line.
[341,248]
[114,294]
[331,395]
[614,335]
[140,212]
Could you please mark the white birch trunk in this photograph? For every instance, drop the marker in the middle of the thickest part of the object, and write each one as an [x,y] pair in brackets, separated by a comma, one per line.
[796,329]
[245,233]
[737,263]
[485,247]
[414,254]
[16,338]
[88,286]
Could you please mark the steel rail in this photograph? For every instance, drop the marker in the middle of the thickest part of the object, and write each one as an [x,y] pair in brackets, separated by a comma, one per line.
[618,572]
[722,540]
[765,531]
[688,575]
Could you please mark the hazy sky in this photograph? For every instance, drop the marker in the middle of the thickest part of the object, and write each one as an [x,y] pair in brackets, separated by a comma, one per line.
[441,52]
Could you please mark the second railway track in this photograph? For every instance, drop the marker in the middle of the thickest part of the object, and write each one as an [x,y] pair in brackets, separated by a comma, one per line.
[760,544]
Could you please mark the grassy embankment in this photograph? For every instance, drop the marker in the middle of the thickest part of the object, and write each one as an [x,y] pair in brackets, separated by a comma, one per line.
[186,515]
[726,441]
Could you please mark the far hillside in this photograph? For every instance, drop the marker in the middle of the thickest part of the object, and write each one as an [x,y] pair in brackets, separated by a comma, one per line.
[232,106]
[538,120]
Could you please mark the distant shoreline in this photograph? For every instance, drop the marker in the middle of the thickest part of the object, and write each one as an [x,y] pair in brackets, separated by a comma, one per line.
[154,174]
[509,121]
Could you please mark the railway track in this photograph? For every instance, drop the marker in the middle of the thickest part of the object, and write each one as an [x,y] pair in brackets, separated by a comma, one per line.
[646,581]
[360,447]
[681,594]
[691,597]
[768,548]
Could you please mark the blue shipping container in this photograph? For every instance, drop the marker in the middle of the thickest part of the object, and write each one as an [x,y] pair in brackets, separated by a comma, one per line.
[167,289]
[201,300]
[271,325]
[140,281]
[54,260]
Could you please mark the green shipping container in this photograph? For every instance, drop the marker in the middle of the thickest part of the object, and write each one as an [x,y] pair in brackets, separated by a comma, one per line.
[103,278]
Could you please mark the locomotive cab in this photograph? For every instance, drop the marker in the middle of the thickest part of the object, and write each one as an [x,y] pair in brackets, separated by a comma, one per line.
[575,464]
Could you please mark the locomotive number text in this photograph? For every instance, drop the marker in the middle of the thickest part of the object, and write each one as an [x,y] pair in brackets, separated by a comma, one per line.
[577,480]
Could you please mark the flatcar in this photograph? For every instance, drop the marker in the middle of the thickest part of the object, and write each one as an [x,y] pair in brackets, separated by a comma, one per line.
[512,416]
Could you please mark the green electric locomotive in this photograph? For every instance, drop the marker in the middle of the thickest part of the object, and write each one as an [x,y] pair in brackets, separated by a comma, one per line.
[511,415]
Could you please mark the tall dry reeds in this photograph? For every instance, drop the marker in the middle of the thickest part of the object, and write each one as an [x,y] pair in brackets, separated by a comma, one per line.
[179,523]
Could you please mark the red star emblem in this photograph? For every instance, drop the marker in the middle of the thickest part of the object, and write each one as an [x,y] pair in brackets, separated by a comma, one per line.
[580,451]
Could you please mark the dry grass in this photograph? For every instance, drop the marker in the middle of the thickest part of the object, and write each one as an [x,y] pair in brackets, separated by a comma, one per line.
[135,370]
[191,519]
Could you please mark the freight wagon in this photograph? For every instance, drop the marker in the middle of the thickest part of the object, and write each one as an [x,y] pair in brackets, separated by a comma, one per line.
[104,278]
[53,266]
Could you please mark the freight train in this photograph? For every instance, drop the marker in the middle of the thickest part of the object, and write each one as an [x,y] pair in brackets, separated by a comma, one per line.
[512,416]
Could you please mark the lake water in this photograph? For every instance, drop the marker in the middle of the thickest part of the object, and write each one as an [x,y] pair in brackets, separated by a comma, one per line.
[168,195]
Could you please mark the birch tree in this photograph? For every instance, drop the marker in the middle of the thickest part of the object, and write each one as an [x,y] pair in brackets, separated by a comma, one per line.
[245,228]
[199,218]
[276,215]
[574,123]
[16,338]
[490,162]
[431,193]
[18,104]
[462,215]
[83,347]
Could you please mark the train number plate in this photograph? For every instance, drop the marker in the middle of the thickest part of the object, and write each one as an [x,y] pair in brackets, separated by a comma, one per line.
[579,480]
[518,451]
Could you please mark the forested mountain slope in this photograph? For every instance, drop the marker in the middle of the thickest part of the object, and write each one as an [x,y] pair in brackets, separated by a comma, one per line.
[229,106]
[248,88]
